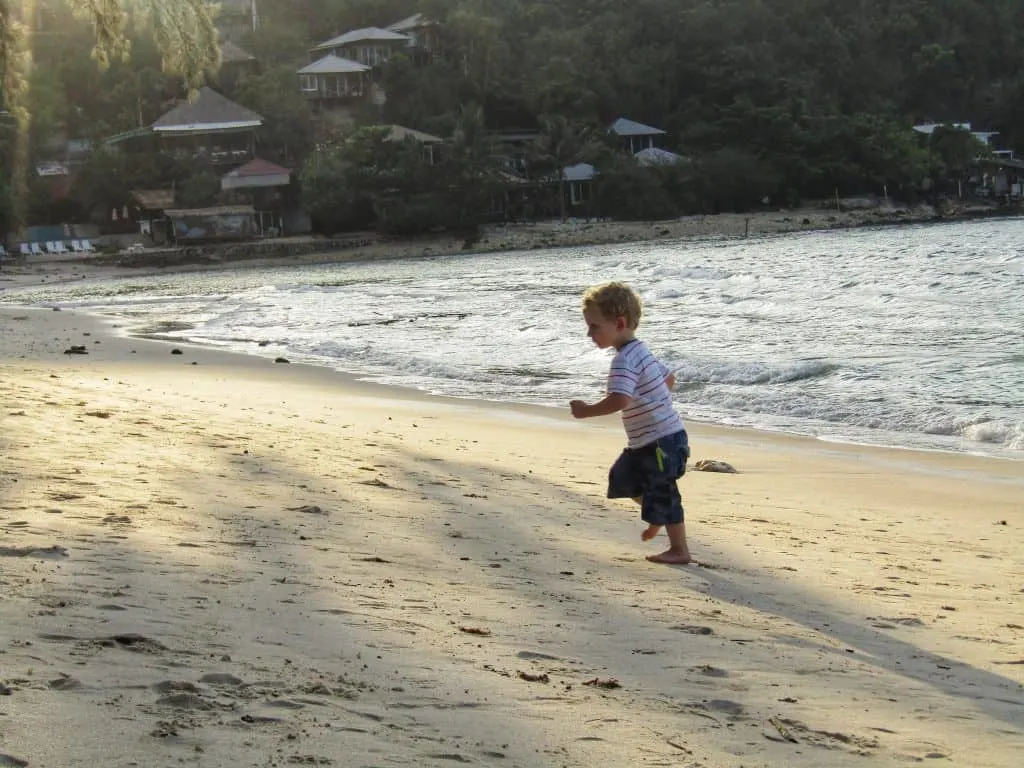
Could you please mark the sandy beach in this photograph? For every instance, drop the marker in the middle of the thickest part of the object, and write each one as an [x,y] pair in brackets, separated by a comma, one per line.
[214,560]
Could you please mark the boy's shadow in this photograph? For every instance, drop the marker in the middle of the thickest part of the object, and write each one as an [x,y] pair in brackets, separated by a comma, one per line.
[872,646]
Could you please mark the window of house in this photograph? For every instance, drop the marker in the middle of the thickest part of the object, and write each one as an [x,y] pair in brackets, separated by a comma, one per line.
[579,192]
[309,83]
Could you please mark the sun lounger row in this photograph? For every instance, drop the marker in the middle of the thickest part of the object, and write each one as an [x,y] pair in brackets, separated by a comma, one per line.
[56,247]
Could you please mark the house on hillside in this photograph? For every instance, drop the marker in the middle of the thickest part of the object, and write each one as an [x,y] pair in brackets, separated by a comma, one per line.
[580,182]
[211,130]
[253,204]
[331,80]
[633,136]
[995,173]
[1001,178]
[147,211]
[345,66]
[985,137]
[264,186]
[431,144]
[421,31]
[370,46]
[249,197]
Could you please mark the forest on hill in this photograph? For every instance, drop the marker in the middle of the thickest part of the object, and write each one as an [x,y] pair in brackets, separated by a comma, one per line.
[784,99]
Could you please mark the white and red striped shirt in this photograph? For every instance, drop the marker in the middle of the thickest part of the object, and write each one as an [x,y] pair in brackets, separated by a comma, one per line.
[639,375]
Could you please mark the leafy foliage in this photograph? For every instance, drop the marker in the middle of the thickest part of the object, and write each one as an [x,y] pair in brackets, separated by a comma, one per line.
[784,99]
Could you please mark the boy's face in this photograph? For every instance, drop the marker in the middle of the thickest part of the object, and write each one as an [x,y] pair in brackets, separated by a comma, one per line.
[605,332]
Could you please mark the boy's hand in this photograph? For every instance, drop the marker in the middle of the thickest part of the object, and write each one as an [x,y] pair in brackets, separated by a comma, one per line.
[578,408]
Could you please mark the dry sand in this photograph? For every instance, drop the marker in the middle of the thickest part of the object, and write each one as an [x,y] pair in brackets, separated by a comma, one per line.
[237,563]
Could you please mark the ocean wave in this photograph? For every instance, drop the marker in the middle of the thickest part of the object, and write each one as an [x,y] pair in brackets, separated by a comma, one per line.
[1006,434]
[752,373]
[854,334]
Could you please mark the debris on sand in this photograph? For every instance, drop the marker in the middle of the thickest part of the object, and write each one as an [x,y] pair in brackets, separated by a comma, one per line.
[714,465]
[610,684]
[532,678]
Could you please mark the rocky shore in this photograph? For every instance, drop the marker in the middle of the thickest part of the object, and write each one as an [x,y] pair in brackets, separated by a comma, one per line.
[518,236]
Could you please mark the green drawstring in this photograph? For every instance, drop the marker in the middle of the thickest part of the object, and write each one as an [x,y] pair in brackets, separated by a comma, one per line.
[660,454]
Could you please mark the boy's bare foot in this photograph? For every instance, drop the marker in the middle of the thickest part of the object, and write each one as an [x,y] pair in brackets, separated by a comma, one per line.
[650,532]
[670,557]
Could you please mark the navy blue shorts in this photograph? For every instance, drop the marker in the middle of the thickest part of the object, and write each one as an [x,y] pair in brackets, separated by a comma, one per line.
[651,471]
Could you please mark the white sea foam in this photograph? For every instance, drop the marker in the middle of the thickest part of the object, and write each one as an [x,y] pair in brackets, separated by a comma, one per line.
[905,336]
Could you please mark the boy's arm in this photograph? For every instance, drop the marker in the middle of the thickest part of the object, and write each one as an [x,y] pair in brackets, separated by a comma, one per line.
[612,403]
[670,380]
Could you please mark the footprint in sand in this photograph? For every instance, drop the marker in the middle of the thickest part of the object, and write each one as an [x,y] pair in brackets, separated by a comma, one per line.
[186,701]
[53,551]
[222,679]
[64,684]
[710,671]
[796,731]
[693,629]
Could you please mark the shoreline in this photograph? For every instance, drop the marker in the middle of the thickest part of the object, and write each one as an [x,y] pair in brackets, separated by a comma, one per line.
[352,378]
[157,350]
[212,564]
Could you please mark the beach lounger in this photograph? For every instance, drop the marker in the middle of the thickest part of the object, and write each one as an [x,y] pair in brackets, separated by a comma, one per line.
[59,245]
[24,249]
[36,250]
[76,246]
[87,246]
[50,247]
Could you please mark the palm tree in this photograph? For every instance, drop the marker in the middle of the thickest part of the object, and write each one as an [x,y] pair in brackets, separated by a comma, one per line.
[471,172]
[560,145]
[183,30]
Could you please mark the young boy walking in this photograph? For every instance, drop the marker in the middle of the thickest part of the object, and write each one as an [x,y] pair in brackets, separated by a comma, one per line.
[639,385]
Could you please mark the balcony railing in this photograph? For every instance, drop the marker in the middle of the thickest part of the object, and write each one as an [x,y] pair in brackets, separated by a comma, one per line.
[209,156]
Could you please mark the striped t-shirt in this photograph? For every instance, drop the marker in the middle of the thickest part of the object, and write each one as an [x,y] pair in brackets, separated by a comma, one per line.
[639,375]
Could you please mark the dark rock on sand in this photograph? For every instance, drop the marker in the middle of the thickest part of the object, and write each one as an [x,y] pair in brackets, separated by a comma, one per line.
[714,465]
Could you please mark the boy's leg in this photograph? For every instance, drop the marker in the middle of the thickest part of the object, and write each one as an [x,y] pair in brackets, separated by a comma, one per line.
[664,508]
[678,553]
[663,504]
[651,530]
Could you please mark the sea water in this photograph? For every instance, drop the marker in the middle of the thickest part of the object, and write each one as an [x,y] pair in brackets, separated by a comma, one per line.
[910,337]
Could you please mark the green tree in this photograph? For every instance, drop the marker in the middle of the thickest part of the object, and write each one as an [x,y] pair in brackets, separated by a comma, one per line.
[735,180]
[328,189]
[562,144]
[198,190]
[955,152]
[287,131]
[183,30]
[626,190]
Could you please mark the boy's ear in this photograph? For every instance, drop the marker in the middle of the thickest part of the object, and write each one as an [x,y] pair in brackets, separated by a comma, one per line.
[620,323]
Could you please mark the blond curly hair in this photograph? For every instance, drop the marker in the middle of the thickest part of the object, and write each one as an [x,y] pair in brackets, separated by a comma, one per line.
[614,300]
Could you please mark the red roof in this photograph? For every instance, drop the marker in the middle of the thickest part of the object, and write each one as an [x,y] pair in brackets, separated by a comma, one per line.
[260,167]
